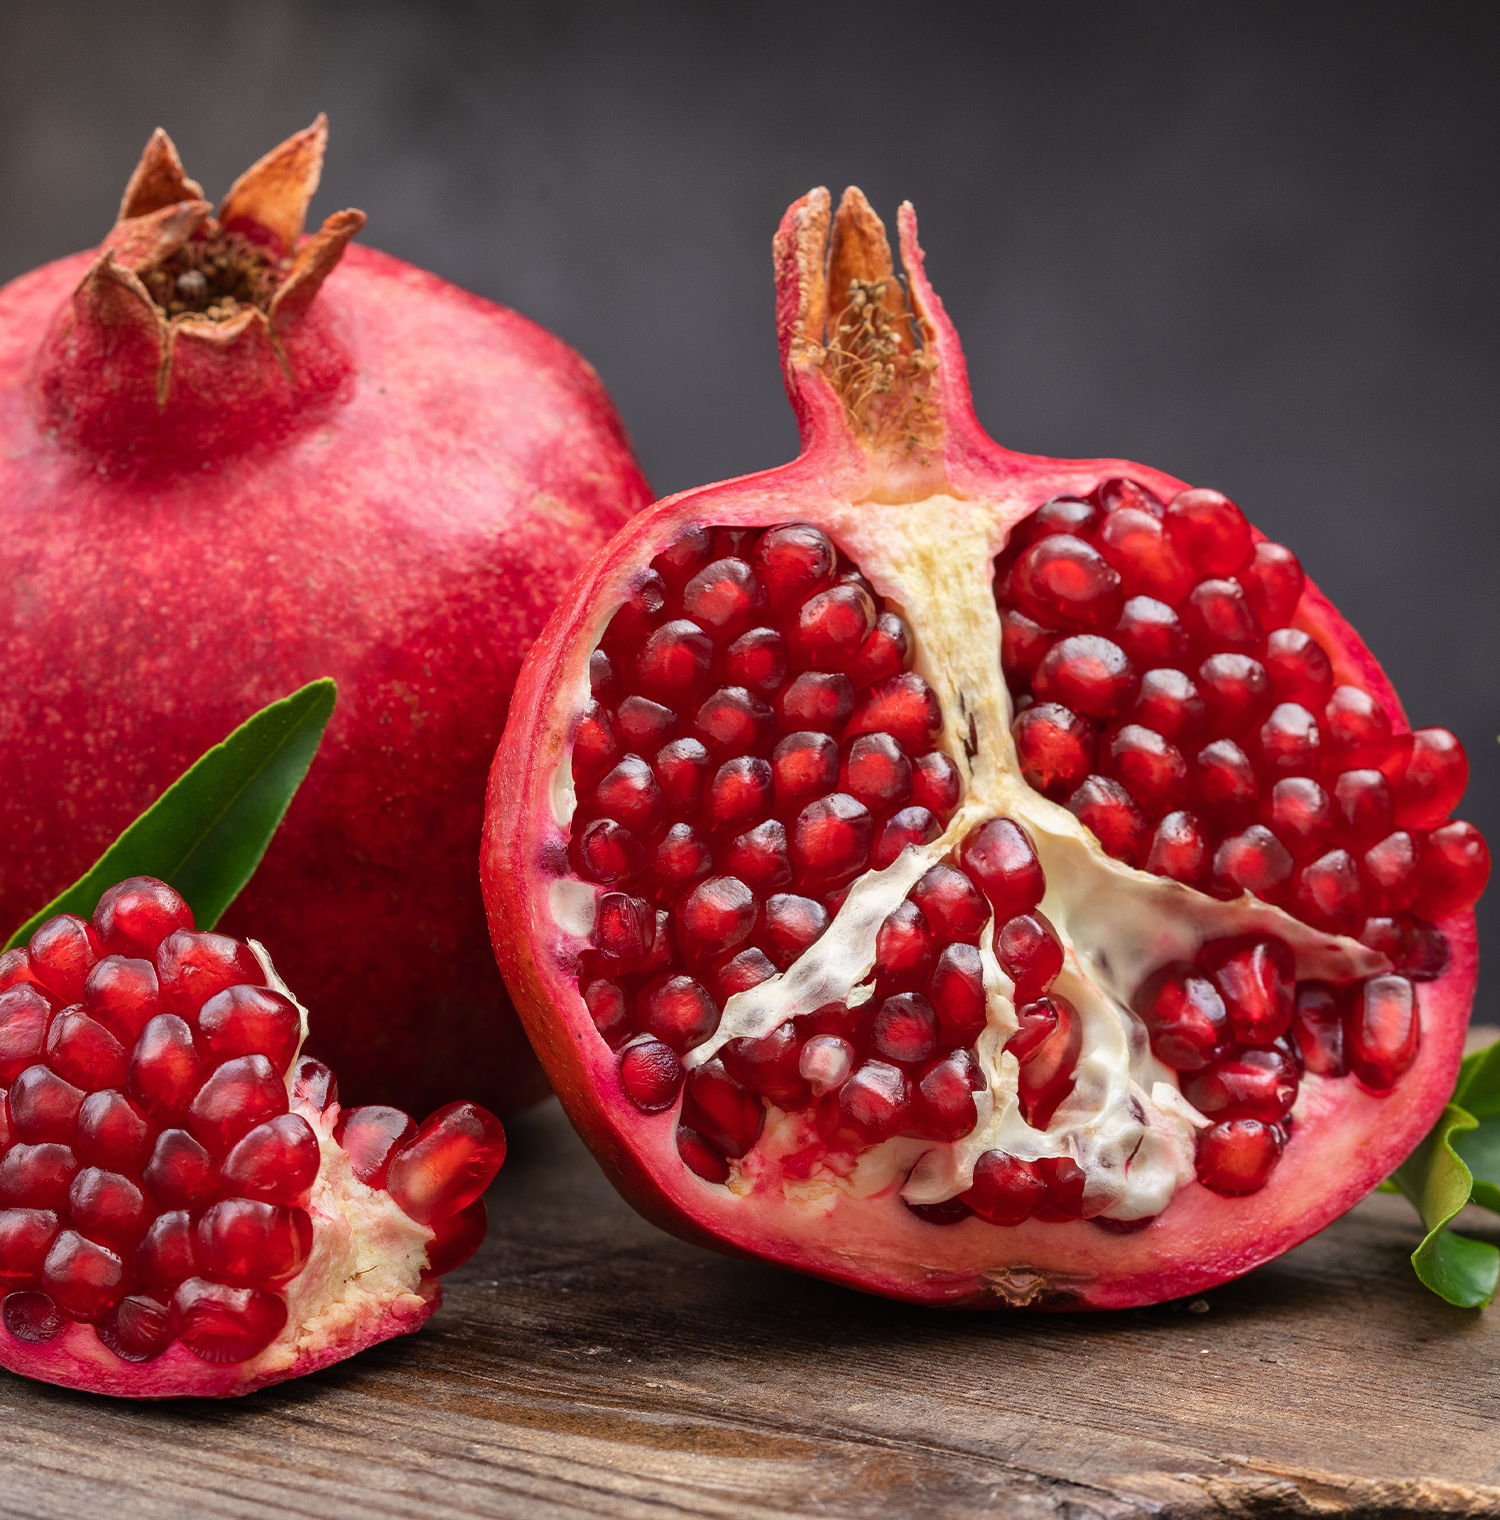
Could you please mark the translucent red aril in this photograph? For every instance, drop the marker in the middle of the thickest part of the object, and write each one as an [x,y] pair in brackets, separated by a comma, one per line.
[887,652]
[1363,809]
[223,1324]
[1218,616]
[122,994]
[44,1107]
[757,660]
[15,968]
[759,857]
[1254,861]
[875,1102]
[1150,633]
[1087,673]
[903,1030]
[85,1280]
[134,916]
[1455,867]
[1149,767]
[789,925]
[1168,703]
[84,1052]
[651,1075]
[137,1329]
[371,1136]
[1103,806]
[935,783]
[1237,693]
[604,682]
[1001,858]
[1224,784]
[733,720]
[903,949]
[1298,669]
[1319,1028]
[26,1235]
[700,1156]
[681,857]
[830,627]
[640,611]
[740,795]
[715,916]
[595,742]
[624,927]
[1030,954]
[1063,514]
[1055,747]
[1253,1084]
[1063,582]
[244,1242]
[108,1208]
[903,706]
[32,1318]
[112,1133]
[825,1062]
[722,1109]
[1391,872]
[630,795]
[682,768]
[1273,581]
[1022,645]
[1356,729]
[1433,781]
[180,1173]
[1381,1030]
[952,905]
[1237,1157]
[678,1009]
[456,1152]
[831,839]
[1299,813]
[1005,1190]
[957,994]
[1290,744]
[1136,543]
[725,597]
[793,562]
[1257,981]
[243,1021]
[37,1176]
[943,1106]
[674,661]
[24,1014]
[1034,1022]
[608,853]
[643,725]
[876,772]
[276,1162]
[1329,895]
[191,966]
[1179,849]
[816,700]
[1046,1075]
[1209,530]
[62,951]
[908,826]
[1185,1016]
[456,1238]
[683,556]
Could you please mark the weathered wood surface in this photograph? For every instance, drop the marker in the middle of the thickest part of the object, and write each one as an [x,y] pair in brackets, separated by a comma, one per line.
[587,1365]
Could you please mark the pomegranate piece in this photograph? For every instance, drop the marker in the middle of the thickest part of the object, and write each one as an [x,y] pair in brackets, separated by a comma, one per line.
[998,683]
[163,1179]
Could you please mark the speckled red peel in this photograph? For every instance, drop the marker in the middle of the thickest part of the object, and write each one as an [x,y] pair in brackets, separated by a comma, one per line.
[764,1095]
[353,469]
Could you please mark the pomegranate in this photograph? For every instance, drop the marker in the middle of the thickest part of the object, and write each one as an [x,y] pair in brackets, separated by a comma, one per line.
[232,460]
[976,878]
[184,1206]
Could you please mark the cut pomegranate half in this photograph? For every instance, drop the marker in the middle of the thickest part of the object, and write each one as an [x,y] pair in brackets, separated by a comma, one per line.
[184,1207]
[973,877]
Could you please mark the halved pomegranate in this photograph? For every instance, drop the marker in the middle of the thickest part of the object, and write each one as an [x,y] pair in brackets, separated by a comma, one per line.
[976,878]
[184,1207]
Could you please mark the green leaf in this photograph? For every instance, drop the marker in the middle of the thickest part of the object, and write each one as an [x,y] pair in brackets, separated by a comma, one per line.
[1436,1179]
[1478,1088]
[206,833]
[1480,1152]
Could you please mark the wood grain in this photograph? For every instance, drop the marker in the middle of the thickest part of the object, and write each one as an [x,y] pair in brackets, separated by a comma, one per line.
[587,1365]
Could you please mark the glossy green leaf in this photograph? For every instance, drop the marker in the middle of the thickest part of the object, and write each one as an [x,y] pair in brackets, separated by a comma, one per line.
[208,831]
[1478,1089]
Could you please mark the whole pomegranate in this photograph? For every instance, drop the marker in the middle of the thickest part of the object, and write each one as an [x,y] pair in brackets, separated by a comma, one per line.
[972,877]
[233,460]
[184,1207]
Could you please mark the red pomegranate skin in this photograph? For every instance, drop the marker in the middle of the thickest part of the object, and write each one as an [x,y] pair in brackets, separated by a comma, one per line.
[404,523]
[1346,1139]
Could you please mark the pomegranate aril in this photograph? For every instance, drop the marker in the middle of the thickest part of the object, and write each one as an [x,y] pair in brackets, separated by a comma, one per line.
[168,1255]
[112,1133]
[15,968]
[630,795]
[1063,582]
[624,927]
[109,1209]
[793,561]
[638,614]
[816,700]
[43,1106]
[314,1084]
[608,853]
[935,783]
[1434,779]
[239,1095]
[643,725]
[1030,954]
[1391,871]
[1055,747]
[137,1329]
[26,1235]
[875,1101]
[1184,1015]
[1135,542]
[674,661]
[1168,703]
[1254,861]
[1257,980]
[84,1279]
[1290,744]
[61,953]
[952,905]
[1363,809]
[715,916]
[759,857]
[789,925]
[1318,1029]
[31,1317]
[1237,692]
[134,916]
[604,683]
[1001,858]
[1356,729]
[180,1173]
[25,1011]
[37,1176]
[242,1021]
[741,794]
[191,966]
[1063,514]
[1046,1075]
[1034,1022]
[1179,849]
[1217,615]
[254,1244]
[700,1157]
[943,1105]
[122,994]
[721,1109]
[1150,633]
[825,1062]
[681,768]
[1087,673]
[371,1136]
[771,1065]
[1023,643]
[1300,814]
[903,949]
[1209,530]
[679,1010]
[1237,1157]
[757,660]
[1381,1030]
[876,772]
[1455,867]
[1150,768]
[905,707]
[903,1030]
[1255,1084]
[831,840]
[1224,784]
[608,1007]
[1102,805]
[651,1075]
[887,652]
[683,556]
[830,627]
[452,1159]
[725,597]
[596,745]
[221,1324]
[456,1238]
[276,1162]
[84,1052]
[908,826]
[734,721]
[1005,1189]
[1273,581]
[805,766]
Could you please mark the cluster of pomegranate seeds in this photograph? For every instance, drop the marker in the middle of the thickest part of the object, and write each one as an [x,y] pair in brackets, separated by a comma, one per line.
[1163,696]
[153,1180]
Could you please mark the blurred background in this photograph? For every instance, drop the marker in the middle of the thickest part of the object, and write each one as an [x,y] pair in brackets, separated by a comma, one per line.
[1254,245]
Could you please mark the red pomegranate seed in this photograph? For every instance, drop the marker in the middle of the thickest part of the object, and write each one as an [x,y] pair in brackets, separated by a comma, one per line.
[1150,768]
[134,916]
[725,597]
[674,661]
[805,766]
[26,1235]
[1168,703]
[1392,872]
[1150,634]
[943,1099]
[180,1173]
[453,1158]
[1237,1157]
[31,1317]
[678,1010]
[1209,530]
[723,1110]
[1381,1030]
[314,1085]
[221,1324]
[239,1095]
[1356,729]
[609,1008]
[904,1030]
[831,839]
[137,1329]
[1135,542]
[825,1063]
[681,858]
[683,556]
[1005,1190]
[1254,1084]
[1224,784]
[1046,1076]
[887,652]
[1363,808]
[1298,669]
[1063,582]
[957,994]
[651,1075]
[757,660]
[1299,813]
[1179,850]
[85,1280]
[717,915]
[276,1162]
[1218,616]
[1455,867]
[112,1133]
[1103,806]
[630,795]
[624,927]
[164,1067]
[909,826]
[44,1107]
[682,767]
[1257,981]
[1319,1029]
[741,794]
[733,721]
[816,700]
[595,743]
[84,1052]
[1030,954]
[876,772]
[1034,1022]
[1001,858]
[15,968]
[243,1021]
[1065,1181]
[790,924]
[903,949]
[1022,645]
[604,684]
[638,614]
[60,954]
[1087,673]
[1119,491]
[1237,693]
[1290,744]
[770,1066]
[1273,581]
[1184,1015]
[108,1209]
[875,1101]
[643,725]
[759,857]
[24,1014]
[169,1253]
[952,905]
[1063,514]
[1433,781]
[1055,747]
[700,1157]
[371,1136]
[1253,861]
[192,966]
[122,994]
[794,561]
[37,1176]
[608,853]
[905,707]
[830,627]
[935,783]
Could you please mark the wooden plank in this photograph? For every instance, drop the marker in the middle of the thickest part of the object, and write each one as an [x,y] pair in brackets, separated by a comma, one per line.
[587,1365]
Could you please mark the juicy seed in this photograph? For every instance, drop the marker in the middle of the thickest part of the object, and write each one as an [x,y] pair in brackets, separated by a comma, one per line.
[1382,1031]
[1103,806]
[1063,582]
[1434,779]
[192,966]
[791,924]
[135,916]
[1087,673]
[1210,530]
[831,839]
[1455,867]
[453,1158]
[1238,1157]
[371,1136]
[1055,747]
[724,598]
[651,1075]
[679,1010]
[1005,1190]
[1179,850]
[61,952]
[909,826]
[1030,954]
[1185,1015]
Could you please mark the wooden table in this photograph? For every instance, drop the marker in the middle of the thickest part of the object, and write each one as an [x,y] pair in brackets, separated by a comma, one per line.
[587,1364]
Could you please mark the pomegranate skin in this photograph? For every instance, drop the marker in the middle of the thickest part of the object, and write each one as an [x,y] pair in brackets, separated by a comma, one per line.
[849,484]
[404,523]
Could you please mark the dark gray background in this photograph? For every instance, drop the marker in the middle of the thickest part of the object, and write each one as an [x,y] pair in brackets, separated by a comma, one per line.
[1252,245]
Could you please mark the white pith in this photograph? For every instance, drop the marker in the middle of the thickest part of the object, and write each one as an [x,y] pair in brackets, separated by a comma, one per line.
[1125,1122]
